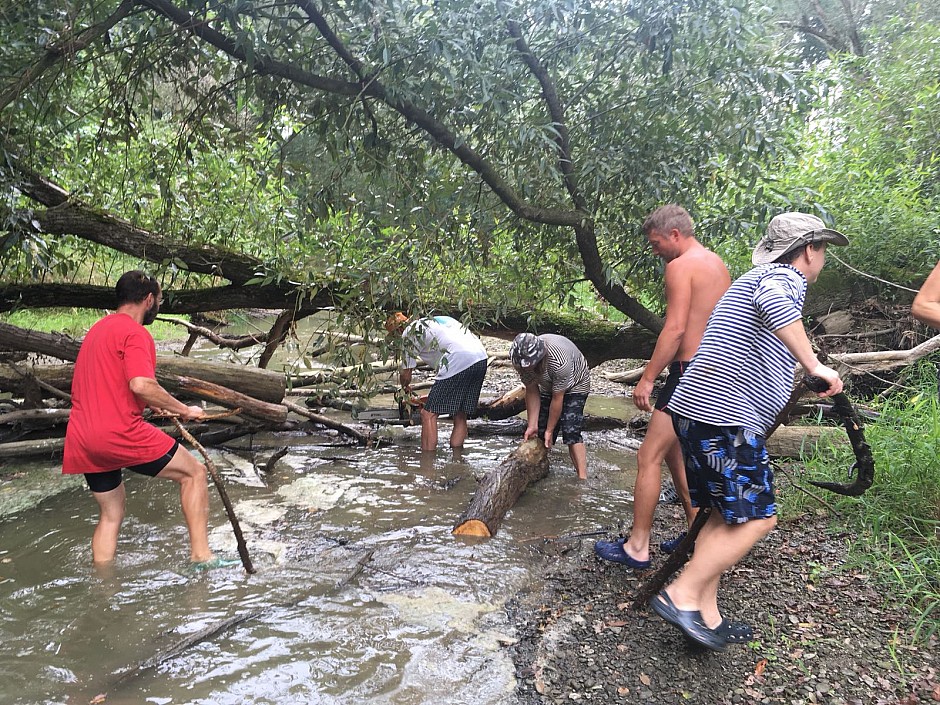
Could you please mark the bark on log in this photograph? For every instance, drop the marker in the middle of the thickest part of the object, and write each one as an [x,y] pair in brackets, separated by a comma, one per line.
[835,323]
[249,406]
[265,385]
[510,404]
[44,448]
[627,376]
[36,418]
[797,441]
[517,426]
[501,488]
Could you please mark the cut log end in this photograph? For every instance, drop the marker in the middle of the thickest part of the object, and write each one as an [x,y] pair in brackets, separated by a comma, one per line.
[472,527]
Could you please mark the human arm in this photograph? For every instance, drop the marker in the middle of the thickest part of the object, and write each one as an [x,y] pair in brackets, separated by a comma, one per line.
[793,335]
[678,284]
[148,390]
[554,415]
[404,378]
[926,306]
[532,407]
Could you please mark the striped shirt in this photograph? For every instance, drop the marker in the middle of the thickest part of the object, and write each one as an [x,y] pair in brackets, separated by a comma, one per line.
[742,374]
[565,369]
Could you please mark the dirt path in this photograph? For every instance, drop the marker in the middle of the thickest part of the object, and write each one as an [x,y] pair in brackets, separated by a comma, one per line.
[824,633]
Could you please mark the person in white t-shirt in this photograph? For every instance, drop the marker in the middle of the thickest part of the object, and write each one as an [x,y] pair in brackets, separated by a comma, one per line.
[459,360]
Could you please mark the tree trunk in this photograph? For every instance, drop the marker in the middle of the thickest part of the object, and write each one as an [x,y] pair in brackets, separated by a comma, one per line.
[254,408]
[501,488]
[510,404]
[262,385]
[798,441]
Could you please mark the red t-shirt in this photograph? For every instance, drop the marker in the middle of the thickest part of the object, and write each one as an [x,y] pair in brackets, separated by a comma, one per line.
[106,430]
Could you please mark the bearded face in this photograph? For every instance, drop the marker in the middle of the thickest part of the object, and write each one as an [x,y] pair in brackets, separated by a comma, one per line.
[151,315]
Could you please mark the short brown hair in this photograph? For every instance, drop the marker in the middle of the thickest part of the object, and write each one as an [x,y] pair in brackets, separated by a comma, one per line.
[667,218]
[134,286]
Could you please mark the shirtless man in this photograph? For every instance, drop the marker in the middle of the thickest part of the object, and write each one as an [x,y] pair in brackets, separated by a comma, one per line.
[926,306]
[695,279]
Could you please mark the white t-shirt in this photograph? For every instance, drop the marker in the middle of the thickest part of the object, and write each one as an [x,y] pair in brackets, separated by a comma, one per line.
[442,343]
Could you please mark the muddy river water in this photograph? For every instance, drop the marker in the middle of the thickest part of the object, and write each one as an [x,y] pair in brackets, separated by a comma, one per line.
[361,595]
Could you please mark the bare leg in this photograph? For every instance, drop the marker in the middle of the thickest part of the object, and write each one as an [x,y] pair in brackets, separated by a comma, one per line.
[428,430]
[660,444]
[194,498]
[110,516]
[578,454]
[718,547]
[459,434]
[676,467]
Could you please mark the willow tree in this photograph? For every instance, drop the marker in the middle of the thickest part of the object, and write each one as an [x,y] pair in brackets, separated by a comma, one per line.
[383,151]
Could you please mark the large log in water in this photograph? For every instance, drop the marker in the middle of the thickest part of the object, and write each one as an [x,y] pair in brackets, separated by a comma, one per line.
[501,488]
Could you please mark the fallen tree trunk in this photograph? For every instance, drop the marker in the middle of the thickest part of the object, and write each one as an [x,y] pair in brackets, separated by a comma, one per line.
[43,448]
[510,404]
[517,426]
[800,441]
[248,406]
[501,488]
[265,385]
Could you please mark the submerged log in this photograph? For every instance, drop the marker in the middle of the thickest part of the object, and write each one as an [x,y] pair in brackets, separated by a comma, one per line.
[501,488]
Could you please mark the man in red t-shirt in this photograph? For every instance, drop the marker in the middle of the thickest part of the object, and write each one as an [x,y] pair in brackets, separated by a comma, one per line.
[113,382]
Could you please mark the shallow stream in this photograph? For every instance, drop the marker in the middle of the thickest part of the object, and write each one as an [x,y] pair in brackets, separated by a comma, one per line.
[362,594]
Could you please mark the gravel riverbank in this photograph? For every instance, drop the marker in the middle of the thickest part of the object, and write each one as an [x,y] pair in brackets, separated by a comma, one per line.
[824,632]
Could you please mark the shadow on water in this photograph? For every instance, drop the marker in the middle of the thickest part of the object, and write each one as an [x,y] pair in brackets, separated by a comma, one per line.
[362,594]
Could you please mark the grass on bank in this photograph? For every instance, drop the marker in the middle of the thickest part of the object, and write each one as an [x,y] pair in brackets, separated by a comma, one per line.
[75,322]
[897,521]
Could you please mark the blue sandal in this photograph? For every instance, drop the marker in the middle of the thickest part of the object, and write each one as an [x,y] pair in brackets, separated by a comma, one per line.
[735,632]
[689,622]
[615,552]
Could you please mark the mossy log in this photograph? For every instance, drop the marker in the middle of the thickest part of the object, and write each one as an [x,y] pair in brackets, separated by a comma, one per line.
[500,489]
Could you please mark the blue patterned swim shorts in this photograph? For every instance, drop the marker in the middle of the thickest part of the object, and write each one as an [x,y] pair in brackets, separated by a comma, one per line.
[727,467]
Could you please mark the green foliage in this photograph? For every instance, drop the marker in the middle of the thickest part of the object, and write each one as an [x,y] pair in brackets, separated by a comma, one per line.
[870,162]
[662,102]
[897,521]
[75,322]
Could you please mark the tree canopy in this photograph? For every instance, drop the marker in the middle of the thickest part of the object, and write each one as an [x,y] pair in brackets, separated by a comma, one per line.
[376,154]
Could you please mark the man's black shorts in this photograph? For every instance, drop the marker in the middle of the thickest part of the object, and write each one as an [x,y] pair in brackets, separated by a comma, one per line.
[107,481]
[672,381]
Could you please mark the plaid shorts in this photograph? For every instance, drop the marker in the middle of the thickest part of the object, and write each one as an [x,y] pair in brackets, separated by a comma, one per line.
[727,467]
[458,393]
[571,420]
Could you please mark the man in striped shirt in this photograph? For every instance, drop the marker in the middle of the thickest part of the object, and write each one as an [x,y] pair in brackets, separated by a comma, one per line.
[557,382]
[739,380]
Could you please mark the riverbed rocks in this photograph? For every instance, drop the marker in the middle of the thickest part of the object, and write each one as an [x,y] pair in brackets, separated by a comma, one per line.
[824,633]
